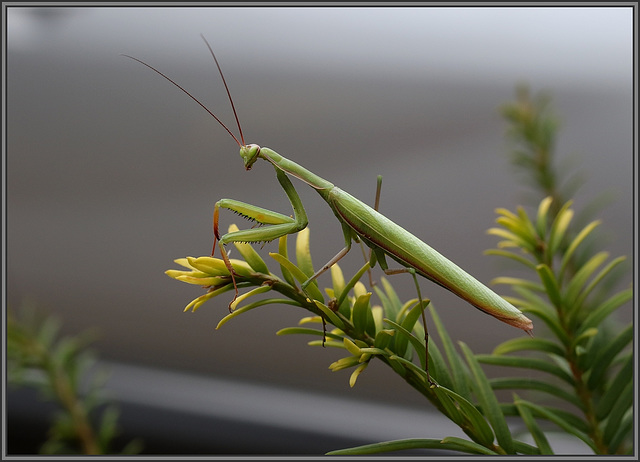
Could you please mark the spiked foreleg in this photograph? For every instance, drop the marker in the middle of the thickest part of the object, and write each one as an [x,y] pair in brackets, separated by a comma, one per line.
[278,225]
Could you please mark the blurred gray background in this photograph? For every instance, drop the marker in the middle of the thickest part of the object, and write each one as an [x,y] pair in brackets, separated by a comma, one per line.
[112,172]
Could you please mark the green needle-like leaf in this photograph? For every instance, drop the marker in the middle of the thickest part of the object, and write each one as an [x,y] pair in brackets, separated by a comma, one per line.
[519,282]
[418,344]
[361,312]
[558,420]
[209,265]
[400,445]
[580,279]
[389,298]
[605,309]
[351,347]
[374,351]
[303,253]
[488,401]
[551,285]
[383,338]
[534,429]
[338,282]
[437,366]
[282,250]
[344,363]
[604,358]
[528,343]
[529,363]
[616,389]
[456,365]
[355,374]
[541,218]
[558,229]
[524,448]
[408,364]
[337,279]
[511,239]
[306,331]
[251,306]
[597,279]
[197,303]
[251,293]
[249,254]
[583,338]
[568,255]
[199,281]
[478,425]
[526,383]
[527,225]
[450,408]
[391,293]
[408,323]
[330,315]
[617,412]
[514,256]
[312,288]
[517,227]
[329,343]
[467,446]
[572,419]
[506,213]
[623,432]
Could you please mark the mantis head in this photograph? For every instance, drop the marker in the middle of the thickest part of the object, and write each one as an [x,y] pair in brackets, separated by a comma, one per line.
[249,154]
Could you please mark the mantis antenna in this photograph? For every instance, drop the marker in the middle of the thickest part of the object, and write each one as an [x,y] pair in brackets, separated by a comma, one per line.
[235,114]
[224,81]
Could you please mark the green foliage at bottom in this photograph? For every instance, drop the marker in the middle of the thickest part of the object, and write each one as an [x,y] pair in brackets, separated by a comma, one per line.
[64,371]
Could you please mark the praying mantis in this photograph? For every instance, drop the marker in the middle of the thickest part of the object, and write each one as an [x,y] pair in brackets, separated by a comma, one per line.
[359,222]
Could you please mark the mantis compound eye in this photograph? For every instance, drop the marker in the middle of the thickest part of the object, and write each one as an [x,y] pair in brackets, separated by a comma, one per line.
[249,154]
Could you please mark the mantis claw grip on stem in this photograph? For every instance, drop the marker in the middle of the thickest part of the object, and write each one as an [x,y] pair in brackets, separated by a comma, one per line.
[358,220]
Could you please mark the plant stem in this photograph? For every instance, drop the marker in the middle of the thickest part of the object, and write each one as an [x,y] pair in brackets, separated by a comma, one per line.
[66,396]
[70,401]
[587,400]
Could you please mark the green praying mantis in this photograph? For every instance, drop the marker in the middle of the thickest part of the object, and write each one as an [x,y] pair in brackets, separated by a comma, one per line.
[359,221]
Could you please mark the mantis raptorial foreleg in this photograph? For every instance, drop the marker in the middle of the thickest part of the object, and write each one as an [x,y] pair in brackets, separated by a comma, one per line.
[279,224]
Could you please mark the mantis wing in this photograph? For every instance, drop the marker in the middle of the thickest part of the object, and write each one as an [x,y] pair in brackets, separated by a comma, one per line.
[379,232]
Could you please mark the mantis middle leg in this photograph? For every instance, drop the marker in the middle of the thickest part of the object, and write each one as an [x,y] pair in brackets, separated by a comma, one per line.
[349,235]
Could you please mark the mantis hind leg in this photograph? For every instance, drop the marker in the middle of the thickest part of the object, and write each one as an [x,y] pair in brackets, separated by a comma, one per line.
[376,206]
[380,257]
